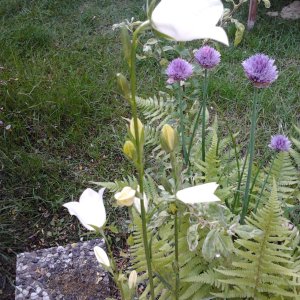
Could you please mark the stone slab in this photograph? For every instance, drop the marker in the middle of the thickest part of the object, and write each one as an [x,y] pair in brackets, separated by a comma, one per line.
[289,12]
[71,272]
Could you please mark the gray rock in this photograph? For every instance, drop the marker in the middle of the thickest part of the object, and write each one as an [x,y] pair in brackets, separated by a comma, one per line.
[61,273]
[291,11]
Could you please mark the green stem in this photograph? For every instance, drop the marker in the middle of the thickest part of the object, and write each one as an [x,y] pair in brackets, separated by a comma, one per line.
[140,165]
[246,197]
[193,133]
[264,184]
[177,280]
[258,172]
[205,84]
[234,143]
[180,100]
[114,266]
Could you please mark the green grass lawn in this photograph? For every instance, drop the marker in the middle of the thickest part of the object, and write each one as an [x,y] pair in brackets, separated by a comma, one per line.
[58,61]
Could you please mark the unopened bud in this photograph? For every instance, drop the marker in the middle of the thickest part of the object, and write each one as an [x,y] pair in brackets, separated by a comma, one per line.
[129,150]
[125,38]
[140,129]
[168,138]
[101,256]
[132,279]
[123,85]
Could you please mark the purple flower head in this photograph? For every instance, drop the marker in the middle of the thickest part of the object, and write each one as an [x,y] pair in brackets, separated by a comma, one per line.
[208,57]
[280,143]
[260,69]
[179,69]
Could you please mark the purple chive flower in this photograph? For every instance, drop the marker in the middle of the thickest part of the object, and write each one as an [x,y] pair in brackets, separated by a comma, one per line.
[208,57]
[179,69]
[280,143]
[260,69]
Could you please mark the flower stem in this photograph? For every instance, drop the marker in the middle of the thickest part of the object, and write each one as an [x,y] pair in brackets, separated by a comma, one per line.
[238,189]
[177,280]
[180,100]
[264,184]
[205,84]
[139,147]
[193,133]
[246,197]
[114,266]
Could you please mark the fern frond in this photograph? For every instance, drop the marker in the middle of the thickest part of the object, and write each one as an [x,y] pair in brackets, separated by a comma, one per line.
[263,266]
[157,110]
[117,185]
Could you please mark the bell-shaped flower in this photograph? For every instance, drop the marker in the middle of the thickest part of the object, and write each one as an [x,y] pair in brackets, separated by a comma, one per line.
[125,197]
[101,256]
[187,20]
[90,209]
[202,193]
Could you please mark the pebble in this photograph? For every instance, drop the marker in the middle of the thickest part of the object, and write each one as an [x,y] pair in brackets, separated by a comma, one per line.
[37,270]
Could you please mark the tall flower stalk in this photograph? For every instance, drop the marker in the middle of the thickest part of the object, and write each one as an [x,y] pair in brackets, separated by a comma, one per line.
[263,186]
[176,229]
[203,102]
[261,71]
[182,128]
[203,109]
[208,58]
[251,157]
[279,143]
[169,141]
[139,148]
[178,71]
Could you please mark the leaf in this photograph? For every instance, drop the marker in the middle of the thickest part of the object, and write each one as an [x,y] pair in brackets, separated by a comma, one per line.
[130,240]
[113,229]
[167,48]
[216,244]
[239,33]
[247,231]
[193,237]
[152,41]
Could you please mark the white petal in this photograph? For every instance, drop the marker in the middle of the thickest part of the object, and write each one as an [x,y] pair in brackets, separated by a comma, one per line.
[89,195]
[89,210]
[75,209]
[189,20]
[93,207]
[137,203]
[101,192]
[101,256]
[198,194]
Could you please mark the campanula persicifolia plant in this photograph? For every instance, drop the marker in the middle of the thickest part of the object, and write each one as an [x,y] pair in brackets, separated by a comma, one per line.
[191,236]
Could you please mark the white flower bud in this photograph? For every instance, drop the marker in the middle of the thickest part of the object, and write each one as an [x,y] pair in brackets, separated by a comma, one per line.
[132,279]
[101,256]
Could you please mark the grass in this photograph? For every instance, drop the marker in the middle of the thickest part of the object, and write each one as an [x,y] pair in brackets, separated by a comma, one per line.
[58,62]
